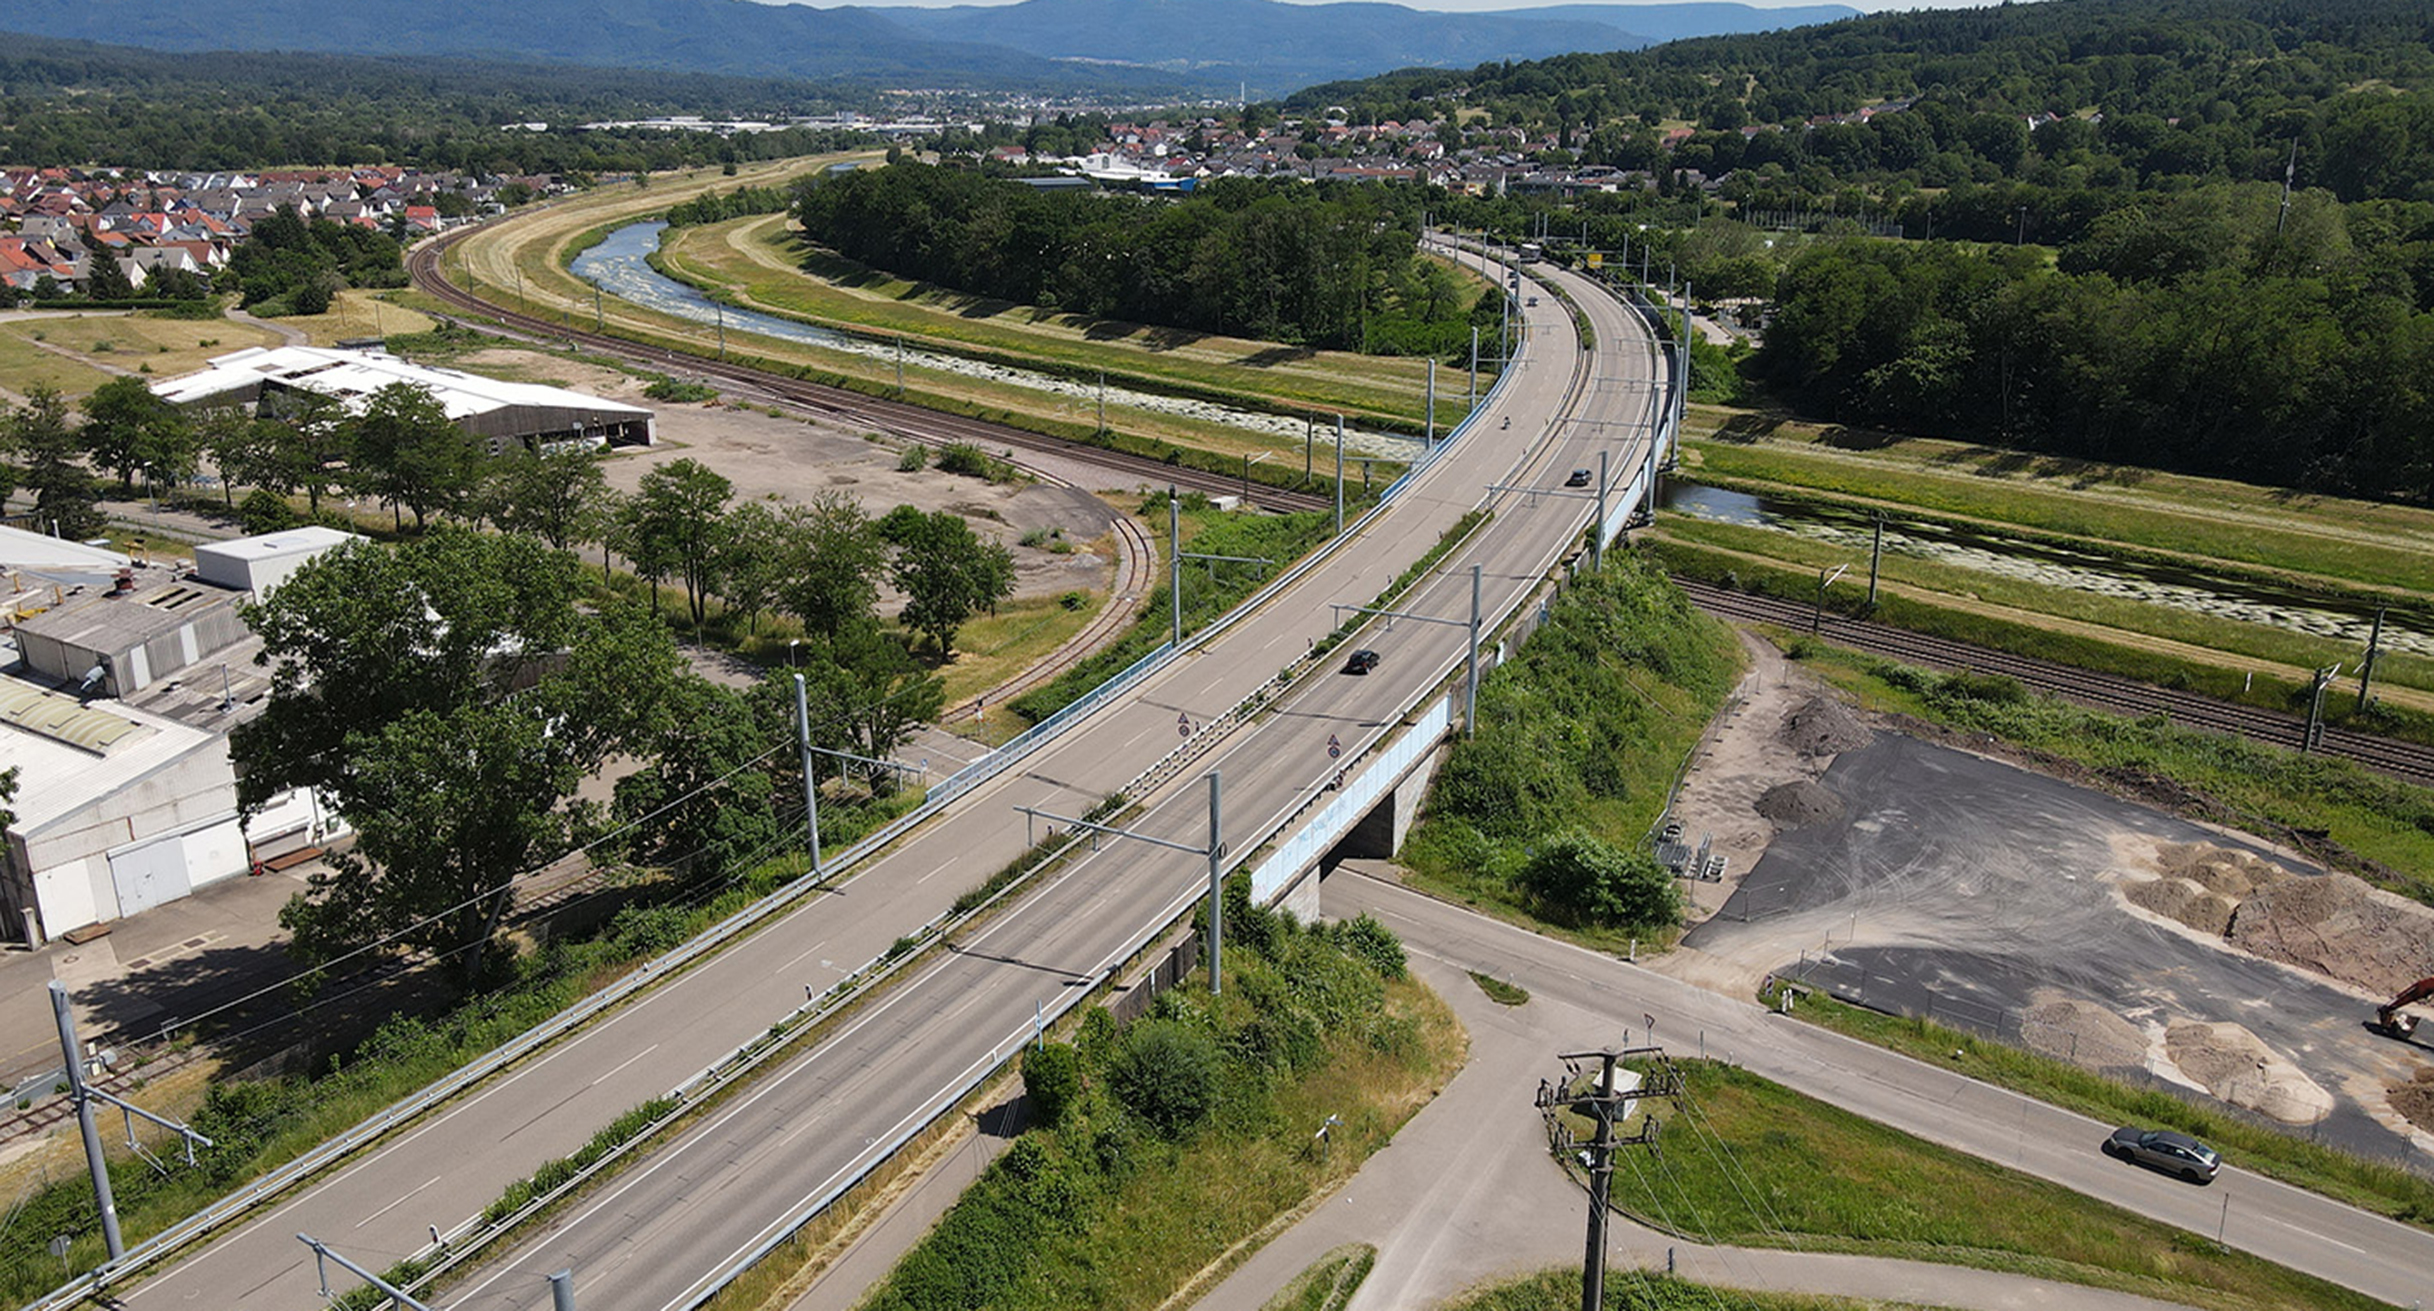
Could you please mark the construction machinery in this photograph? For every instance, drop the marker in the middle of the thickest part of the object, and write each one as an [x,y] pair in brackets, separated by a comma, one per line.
[2390,1022]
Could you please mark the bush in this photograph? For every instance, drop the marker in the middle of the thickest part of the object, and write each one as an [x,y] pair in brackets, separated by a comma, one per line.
[916,457]
[680,392]
[265,511]
[970,461]
[1166,1073]
[1365,938]
[1588,879]
[1052,1079]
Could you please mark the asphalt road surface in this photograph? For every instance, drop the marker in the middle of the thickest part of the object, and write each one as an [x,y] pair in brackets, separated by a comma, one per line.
[2295,1228]
[654,1235]
[1972,884]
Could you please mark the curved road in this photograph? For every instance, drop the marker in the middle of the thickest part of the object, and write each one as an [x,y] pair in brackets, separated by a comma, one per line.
[651,1238]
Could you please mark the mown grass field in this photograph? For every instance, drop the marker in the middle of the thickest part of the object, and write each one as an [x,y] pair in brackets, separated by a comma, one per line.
[1753,1163]
[75,352]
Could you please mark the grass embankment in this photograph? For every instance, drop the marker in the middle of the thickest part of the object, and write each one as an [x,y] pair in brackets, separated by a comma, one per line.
[1329,1283]
[1585,729]
[1559,1290]
[2368,1185]
[1209,589]
[2349,553]
[1752,1163]
[765,262]
[1162,1151]
[2375,825]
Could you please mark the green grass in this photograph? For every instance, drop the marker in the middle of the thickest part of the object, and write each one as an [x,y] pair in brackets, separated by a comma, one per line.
[1329,1283]
[2376,826]
[2233,637]
[1753,572]
[1587,726]
[2360,542]
[1499,991]
[1559,1290]
[2368,1185]
[1753,1163]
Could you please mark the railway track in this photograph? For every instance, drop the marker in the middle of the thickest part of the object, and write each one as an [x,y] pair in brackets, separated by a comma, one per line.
[899,418]
[2404,760]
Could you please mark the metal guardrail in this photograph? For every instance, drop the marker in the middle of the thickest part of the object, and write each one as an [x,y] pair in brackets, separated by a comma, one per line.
[235,1205]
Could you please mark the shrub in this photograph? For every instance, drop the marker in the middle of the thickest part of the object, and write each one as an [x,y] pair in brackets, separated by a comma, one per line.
[680,392]
[1594,881]
[1364,938]
[265,511]
[1166,1073]
[915,459]
[1052,1079]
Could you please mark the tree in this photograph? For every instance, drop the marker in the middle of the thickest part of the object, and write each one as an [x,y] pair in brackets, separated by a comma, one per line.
[317,438]
[1052,1081]
[64,497]
[946,572]
[106,279]
[874,693]
[756,558]
[673,525]
[559,496]
[125,421]
[836,560]
[393,694]
[412,454]
[1166,1072]
[700,806]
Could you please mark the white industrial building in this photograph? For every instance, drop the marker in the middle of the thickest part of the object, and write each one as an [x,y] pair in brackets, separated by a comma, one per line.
[507,414]
[123,680]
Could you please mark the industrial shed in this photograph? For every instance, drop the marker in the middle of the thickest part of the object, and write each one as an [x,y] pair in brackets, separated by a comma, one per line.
[508,414]
[258,564]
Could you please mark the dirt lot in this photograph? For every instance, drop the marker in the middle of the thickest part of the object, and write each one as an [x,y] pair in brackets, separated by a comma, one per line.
[1922,879]
[789,459]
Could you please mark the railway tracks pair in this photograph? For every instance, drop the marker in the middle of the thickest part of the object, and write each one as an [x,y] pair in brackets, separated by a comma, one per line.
[2404,760]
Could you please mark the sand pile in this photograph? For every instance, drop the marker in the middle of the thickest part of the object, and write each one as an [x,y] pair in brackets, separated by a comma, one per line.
[2230,872]
[2206,911]
[1791,805]
[1822,726]
[2340,927]
[2236,1066]
[2082,1032]
[2415,1098]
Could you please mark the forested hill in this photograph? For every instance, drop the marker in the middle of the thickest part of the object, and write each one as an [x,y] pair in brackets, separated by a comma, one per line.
[2192,88]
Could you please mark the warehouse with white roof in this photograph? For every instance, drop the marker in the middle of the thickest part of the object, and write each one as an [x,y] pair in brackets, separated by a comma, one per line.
[508,414]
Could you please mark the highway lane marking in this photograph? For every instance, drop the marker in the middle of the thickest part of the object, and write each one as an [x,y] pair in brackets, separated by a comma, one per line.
[401,1201]
[942,867]
[598,1080]
[808,950]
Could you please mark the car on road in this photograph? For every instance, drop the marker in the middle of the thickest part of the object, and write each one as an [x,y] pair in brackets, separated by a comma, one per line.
[1579,478]
[1533,302]
[2162,1149]
[1362,661]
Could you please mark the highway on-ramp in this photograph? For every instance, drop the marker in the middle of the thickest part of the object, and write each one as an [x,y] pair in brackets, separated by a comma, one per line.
[650,1238]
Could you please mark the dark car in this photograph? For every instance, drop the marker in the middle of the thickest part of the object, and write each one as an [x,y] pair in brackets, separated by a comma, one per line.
[1362,661]
[2162,1149]
[1579,478]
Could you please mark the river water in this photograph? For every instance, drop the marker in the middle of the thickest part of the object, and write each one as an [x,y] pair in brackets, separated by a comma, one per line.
[2222,598]
[620,267]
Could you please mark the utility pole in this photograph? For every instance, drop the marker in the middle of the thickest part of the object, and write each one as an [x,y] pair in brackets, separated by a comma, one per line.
[2290,174]
[2366,672]
[2314,736]
[83,1097]
[596,317]
[1474,366]
[1310,444]
[1102,402]
[1470,693]
[1605,1102]
[1876,554]
[322,1256]
[1215,851]
[1430,439]
[1174,553]
[1824,581]
[900,364]
[562,1291]
[811,780]
[1339,475]
[721,311]
[1597,530]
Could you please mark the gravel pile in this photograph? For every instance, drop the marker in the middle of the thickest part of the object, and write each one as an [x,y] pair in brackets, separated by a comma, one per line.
[2338,926]
[2180,899]
[1823,726]
[2236,1066]
[2415,1098]
[1791,805]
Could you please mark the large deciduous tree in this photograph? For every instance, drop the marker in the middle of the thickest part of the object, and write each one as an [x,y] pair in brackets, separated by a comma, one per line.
[412,454]
[674,525]
[447,697]
[65,502]
[559,496]
[947,572]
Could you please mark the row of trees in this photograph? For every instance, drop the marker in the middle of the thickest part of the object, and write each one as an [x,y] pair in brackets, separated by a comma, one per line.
[290,265]
[1313,266]
[2204,333]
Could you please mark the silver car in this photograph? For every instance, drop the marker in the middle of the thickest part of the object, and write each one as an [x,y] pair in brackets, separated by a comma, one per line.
[2162,1149]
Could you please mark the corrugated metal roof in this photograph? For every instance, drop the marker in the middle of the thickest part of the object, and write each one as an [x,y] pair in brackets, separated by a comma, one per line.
[64,719]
